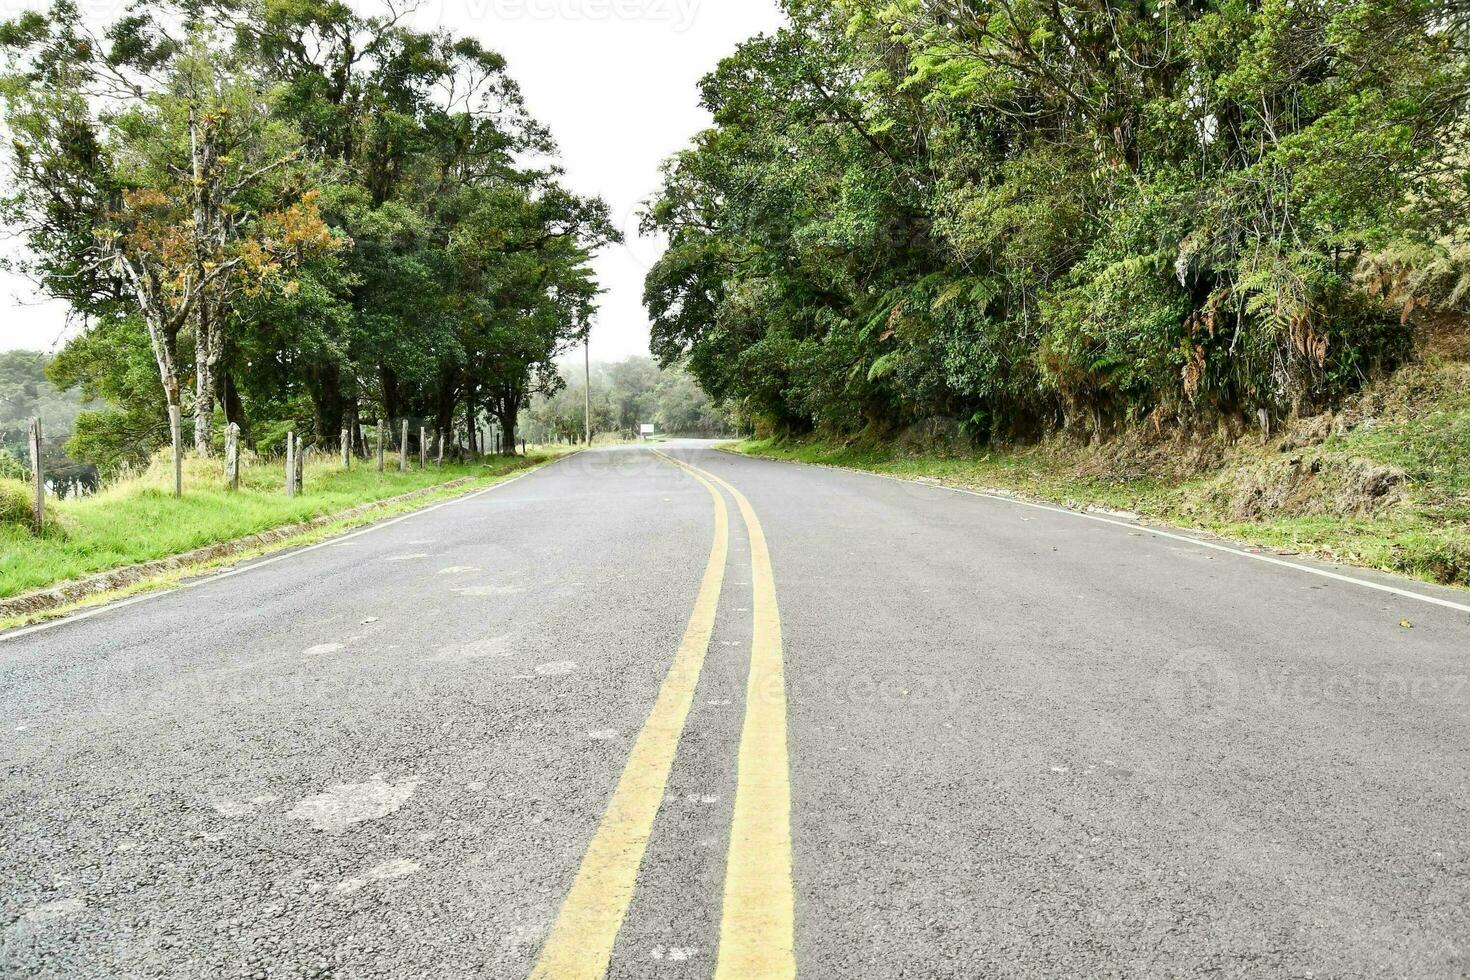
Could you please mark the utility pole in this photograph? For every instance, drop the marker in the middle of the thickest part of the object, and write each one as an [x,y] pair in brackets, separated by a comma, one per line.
[587,392]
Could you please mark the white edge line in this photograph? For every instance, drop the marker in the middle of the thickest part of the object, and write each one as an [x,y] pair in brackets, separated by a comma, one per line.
[288,553]
[1148,528]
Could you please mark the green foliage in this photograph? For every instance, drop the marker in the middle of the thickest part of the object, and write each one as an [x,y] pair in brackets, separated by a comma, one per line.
[16,501]
[1025,216]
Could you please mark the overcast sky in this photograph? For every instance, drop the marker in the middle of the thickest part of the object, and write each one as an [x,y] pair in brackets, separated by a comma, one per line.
[616,82]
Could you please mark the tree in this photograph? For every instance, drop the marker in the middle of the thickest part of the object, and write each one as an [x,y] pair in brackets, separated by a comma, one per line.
[305,214]
[1027,215]
[180,215]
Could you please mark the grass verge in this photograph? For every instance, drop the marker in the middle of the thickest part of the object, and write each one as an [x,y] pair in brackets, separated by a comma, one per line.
[138,520]
[1384,483]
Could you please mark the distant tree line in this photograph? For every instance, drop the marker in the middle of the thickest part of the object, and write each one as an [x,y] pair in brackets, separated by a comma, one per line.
[625,395]
[26,393]
[289,215]
[1031,215]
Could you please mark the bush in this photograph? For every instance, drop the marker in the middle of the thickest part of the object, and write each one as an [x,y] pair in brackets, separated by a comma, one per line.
[12,468]
[15,503]
[15,510]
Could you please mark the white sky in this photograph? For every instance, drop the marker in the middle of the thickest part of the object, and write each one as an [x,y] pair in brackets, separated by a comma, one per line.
[616,80]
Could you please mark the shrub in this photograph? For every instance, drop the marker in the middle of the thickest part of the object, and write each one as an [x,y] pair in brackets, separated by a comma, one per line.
[15,503]
[12,468]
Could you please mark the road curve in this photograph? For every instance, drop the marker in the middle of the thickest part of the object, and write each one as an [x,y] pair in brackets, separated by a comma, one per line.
[1001,741]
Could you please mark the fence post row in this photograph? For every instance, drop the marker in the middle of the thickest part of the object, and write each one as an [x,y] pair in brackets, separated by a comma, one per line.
[232,455]
[38,476]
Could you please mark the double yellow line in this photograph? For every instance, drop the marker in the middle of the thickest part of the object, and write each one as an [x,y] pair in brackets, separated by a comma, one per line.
[756,926]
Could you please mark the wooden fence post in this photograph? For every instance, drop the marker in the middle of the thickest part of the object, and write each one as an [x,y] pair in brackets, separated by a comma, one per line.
[347,449]
[176,430]
[300,466]
[290,464]
[423,448]
[232,456]
[439,444]
[403,447]
[38,476]
[382,433]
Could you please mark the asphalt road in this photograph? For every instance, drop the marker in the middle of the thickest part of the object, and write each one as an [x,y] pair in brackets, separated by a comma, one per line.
[883,730]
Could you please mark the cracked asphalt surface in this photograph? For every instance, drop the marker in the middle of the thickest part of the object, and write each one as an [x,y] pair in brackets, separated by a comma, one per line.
[1021,744]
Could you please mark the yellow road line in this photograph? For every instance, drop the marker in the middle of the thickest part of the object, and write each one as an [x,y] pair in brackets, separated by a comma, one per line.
[757,934]
[581,941]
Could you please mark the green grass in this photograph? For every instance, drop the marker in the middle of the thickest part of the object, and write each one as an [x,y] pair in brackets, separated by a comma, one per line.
[1417,422]
[1048,471]
[138,520]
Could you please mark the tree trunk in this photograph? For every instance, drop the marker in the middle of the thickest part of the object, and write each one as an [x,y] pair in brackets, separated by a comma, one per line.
[470,423]
[391,399]
[506,405]
[326,402]
[165,339]
[206,364]
[444,401]
[202,152]
[353,421]
[229,397]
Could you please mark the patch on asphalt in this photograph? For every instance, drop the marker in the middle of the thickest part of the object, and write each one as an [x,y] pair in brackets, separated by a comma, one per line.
[50,912]
[322,649]
[674,954]
[490,646]
[413,557]
[458,570]
[387,871]
[240,808]
[342,806]
[485,591]
[557,668]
